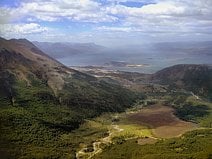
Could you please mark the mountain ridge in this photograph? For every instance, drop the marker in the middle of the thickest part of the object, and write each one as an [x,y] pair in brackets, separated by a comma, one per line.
[192,77]
[65,49]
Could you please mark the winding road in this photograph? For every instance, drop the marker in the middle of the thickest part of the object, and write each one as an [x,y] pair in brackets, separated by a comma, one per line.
[96,145]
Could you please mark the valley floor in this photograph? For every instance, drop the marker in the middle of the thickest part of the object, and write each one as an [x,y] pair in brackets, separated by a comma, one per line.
[146,125]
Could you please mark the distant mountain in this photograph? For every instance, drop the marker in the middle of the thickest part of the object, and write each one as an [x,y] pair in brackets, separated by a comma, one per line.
[65,49]
[191,47]
[196,78]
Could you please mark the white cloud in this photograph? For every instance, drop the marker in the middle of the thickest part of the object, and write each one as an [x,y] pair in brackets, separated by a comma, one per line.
[94,11]
[166,16]
[155,17]
[55,10]
[162,8]
[115,29]
[18,29]
[4,16]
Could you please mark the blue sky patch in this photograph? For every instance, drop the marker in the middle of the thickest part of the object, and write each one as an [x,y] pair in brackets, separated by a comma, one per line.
[135,4]
[10,3]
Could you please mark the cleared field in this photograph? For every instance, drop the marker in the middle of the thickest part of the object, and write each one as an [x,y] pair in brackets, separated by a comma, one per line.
[162,120]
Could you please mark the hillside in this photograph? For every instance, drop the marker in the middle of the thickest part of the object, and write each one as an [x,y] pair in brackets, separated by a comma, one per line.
[43,100]
[195,78]
[26,63]
[24,59]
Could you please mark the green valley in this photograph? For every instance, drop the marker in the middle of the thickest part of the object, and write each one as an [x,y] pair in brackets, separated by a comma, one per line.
[48,110]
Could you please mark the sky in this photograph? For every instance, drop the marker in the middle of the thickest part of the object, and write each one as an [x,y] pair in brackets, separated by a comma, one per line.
[107,22]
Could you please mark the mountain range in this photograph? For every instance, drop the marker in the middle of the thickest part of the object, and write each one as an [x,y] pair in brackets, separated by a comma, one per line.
[66,49]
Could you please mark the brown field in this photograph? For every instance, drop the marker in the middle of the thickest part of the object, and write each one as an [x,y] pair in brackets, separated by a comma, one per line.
[162,120]
[145,141]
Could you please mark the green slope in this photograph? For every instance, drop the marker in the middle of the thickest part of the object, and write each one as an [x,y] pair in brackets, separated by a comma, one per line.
[41,101]
[192,145]
[33,120]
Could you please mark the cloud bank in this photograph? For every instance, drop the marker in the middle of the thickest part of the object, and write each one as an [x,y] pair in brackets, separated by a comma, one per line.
[106,20]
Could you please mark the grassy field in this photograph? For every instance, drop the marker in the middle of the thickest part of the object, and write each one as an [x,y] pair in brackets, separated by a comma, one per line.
[129,129]
[133,130]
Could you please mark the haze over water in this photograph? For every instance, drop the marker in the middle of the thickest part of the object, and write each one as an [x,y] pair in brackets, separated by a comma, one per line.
[153,60]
